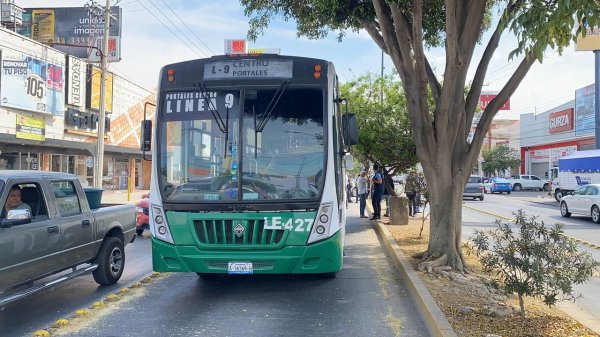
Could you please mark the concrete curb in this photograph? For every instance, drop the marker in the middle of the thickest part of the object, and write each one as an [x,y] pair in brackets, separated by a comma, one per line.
[434,318]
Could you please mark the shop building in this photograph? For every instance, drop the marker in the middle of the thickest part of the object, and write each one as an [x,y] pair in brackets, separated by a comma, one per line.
[49,108]
[555,133]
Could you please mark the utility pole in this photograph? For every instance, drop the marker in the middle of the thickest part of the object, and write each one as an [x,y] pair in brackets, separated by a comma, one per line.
[103,60]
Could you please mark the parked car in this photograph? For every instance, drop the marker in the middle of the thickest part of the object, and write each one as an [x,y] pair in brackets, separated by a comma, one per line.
[57,228]
[497,185]
[584,201]
[142,215]
[474,188]
[528,182]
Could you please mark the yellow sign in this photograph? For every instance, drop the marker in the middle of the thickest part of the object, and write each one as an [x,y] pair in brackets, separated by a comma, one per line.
[590,42]
[42,25]
[95,91]
[31,128]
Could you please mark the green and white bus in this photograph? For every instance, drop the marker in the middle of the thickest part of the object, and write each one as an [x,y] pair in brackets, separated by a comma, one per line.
[248,166]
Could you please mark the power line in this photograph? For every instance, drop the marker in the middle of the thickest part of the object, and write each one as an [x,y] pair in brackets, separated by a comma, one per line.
[185,24]
[177,27]
[169,29]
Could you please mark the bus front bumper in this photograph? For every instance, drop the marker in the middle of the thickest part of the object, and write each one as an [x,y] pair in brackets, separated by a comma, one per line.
[321,257]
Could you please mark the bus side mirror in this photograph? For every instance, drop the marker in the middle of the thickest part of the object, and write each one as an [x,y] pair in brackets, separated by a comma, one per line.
[146,136]
[350,129]
[348,161]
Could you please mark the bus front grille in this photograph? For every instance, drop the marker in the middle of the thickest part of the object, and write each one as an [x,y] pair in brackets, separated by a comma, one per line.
[237,232]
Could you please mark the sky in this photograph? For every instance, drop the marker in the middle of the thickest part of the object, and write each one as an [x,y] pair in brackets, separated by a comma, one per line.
[153,35]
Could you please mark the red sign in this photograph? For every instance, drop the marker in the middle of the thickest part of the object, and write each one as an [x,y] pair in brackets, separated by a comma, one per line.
[485,99]
[560,121]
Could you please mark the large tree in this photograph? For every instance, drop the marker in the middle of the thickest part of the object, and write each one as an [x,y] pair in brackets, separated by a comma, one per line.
[385,135]
[403,29]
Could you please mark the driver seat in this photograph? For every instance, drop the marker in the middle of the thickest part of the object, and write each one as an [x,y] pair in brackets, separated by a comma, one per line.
[30,195]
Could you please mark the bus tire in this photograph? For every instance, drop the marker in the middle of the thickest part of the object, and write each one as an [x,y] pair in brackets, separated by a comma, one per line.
[110,260]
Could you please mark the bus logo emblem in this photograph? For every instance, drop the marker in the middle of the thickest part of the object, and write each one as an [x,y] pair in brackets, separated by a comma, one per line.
[239,230]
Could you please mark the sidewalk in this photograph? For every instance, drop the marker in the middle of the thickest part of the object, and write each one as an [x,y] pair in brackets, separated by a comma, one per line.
[122,197]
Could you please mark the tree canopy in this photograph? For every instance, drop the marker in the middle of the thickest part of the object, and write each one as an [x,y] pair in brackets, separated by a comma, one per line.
[404,29]
[499,158]
[385,135]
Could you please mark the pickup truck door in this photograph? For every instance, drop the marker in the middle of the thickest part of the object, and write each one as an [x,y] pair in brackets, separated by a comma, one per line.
[30,250]
[76,223]
[536,182]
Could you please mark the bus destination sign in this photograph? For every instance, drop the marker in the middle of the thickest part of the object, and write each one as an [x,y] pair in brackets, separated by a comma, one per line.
[246,69]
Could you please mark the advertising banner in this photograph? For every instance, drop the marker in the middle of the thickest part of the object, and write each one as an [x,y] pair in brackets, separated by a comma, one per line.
[485,99]
[560,121]
[75,81]
[93,89]
[32,84]
[81,26]
[584,110]
[32,128]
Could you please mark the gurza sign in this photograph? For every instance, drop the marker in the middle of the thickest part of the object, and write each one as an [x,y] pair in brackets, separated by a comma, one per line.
[560,121]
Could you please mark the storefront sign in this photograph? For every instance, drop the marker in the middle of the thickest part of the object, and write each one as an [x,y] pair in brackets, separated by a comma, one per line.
[485,99]
[541,156]
[81,26]
[32,84]
[75,82]
[560,121]
[84,120]
[584,110]
[31,128]
[590,42]
[93,89]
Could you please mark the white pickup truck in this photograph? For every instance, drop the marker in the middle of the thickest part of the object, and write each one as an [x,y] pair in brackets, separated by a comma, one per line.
[528,182]
[54,235]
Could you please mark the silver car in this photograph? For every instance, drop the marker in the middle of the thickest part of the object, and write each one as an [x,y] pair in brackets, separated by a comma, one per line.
[584,201]
[474,188]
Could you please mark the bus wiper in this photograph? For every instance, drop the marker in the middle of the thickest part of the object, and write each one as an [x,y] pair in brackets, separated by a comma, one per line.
[213,110]
[269,111]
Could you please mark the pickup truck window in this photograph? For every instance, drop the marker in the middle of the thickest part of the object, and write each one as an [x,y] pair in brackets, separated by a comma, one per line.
[26,196]
[535,178]
[66,197]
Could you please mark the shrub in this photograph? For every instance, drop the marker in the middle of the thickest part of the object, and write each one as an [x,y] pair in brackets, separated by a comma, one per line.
[533,260]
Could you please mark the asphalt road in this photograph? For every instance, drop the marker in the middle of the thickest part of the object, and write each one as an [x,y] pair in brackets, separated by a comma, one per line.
[586,309]
[40,310]
[367,298]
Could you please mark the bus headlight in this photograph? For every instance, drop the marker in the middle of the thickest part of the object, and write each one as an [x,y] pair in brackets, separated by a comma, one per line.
[321,229]
[158,224]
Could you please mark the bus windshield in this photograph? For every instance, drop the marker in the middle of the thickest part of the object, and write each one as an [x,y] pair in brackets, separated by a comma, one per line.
[213,152]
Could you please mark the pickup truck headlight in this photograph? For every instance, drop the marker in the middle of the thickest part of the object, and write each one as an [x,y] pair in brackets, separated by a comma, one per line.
[158,224]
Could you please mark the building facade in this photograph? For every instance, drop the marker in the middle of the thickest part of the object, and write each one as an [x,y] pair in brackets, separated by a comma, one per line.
[555,133]
[49,108]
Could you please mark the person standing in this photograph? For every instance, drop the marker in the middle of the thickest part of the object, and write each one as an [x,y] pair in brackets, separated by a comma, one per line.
[377,192]
[356,185]
[386,195]
[411,190]
[361,191]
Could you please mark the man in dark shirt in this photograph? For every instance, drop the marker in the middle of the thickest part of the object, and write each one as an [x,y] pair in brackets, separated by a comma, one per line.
[378,188]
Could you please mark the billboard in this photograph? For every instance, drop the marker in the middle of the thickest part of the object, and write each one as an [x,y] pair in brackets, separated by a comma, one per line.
[76,81]
[32,128]
[584,110]
[32,84]
[93,89]
[75,25]
[590,42]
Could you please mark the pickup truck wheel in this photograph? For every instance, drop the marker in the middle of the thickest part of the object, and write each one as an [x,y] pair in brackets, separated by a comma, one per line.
[546,187]
[516,187]
[111,260]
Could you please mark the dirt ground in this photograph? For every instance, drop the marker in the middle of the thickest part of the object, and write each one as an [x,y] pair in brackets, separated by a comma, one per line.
[451,296]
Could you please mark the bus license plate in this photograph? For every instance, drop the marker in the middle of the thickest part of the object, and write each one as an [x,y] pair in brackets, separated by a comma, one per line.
[239,268]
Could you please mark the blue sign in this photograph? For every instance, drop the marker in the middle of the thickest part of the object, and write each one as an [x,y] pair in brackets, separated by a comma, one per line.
[584,111]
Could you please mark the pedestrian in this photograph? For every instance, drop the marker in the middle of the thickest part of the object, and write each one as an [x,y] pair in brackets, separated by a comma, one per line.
[386,195]
[377,192]
[361,189]
[411,188]
[356,184]
[349,189]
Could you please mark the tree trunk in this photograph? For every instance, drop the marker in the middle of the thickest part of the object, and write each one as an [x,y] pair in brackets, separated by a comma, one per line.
[445,196]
